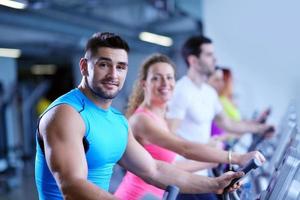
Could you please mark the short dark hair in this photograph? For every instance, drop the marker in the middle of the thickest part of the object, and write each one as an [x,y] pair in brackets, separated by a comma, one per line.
[105,39]
[192,46]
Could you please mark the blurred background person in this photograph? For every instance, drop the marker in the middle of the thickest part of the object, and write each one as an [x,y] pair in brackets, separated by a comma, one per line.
[223,86]
[195,104]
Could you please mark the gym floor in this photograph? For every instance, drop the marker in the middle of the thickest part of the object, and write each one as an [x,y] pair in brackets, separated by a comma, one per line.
[25,189]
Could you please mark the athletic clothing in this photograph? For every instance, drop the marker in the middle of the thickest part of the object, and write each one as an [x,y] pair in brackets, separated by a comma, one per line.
[196,107]
[230,109]
[106,137]
[132,187]
[216,130]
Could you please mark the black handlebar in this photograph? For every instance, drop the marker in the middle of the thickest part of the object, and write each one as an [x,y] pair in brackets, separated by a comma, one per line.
[259,138]
[171,192]
[264,116]
[252,165]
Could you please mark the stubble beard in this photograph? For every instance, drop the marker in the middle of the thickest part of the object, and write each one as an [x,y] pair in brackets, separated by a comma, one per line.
[101,93]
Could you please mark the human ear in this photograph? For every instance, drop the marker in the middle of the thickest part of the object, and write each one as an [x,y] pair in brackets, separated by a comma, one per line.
[83,66]
[192,59]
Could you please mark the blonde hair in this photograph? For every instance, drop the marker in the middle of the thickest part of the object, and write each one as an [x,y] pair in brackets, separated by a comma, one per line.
[137,95]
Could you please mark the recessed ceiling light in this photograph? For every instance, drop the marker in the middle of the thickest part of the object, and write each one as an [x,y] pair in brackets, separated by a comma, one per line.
[156,39]
[10,53]
[14,4]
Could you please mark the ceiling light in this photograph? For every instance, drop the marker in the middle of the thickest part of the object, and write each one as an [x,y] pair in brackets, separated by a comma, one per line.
[10,53]
[13,4]
[43,69]
[156,39]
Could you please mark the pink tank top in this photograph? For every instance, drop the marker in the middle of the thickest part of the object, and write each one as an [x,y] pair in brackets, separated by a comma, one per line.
[132,187]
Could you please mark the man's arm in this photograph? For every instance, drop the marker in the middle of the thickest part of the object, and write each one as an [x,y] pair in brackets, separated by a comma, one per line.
[137,160]
[202,152]
[240,126]
[62,130]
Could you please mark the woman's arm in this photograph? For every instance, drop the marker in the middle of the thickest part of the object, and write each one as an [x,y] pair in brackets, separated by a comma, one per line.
[144,127]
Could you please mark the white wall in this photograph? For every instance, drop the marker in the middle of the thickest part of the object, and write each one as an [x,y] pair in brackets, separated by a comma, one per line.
[260,41]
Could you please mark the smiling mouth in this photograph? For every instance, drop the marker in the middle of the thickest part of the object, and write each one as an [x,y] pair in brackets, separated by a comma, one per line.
[110,85]
[164,91]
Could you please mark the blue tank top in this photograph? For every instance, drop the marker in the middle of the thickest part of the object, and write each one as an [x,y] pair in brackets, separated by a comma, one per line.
[106,135]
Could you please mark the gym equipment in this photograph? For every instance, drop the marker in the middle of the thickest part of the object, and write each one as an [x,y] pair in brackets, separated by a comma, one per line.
[284,184]
[171,192]
[247,169]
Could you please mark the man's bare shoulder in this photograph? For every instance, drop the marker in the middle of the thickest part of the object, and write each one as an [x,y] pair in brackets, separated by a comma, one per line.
[62,118]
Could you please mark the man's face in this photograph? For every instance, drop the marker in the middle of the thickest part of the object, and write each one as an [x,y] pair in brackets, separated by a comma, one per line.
[107,72]
[206,59]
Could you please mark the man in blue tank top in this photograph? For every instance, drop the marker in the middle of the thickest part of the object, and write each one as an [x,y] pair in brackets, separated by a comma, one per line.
[80,137]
